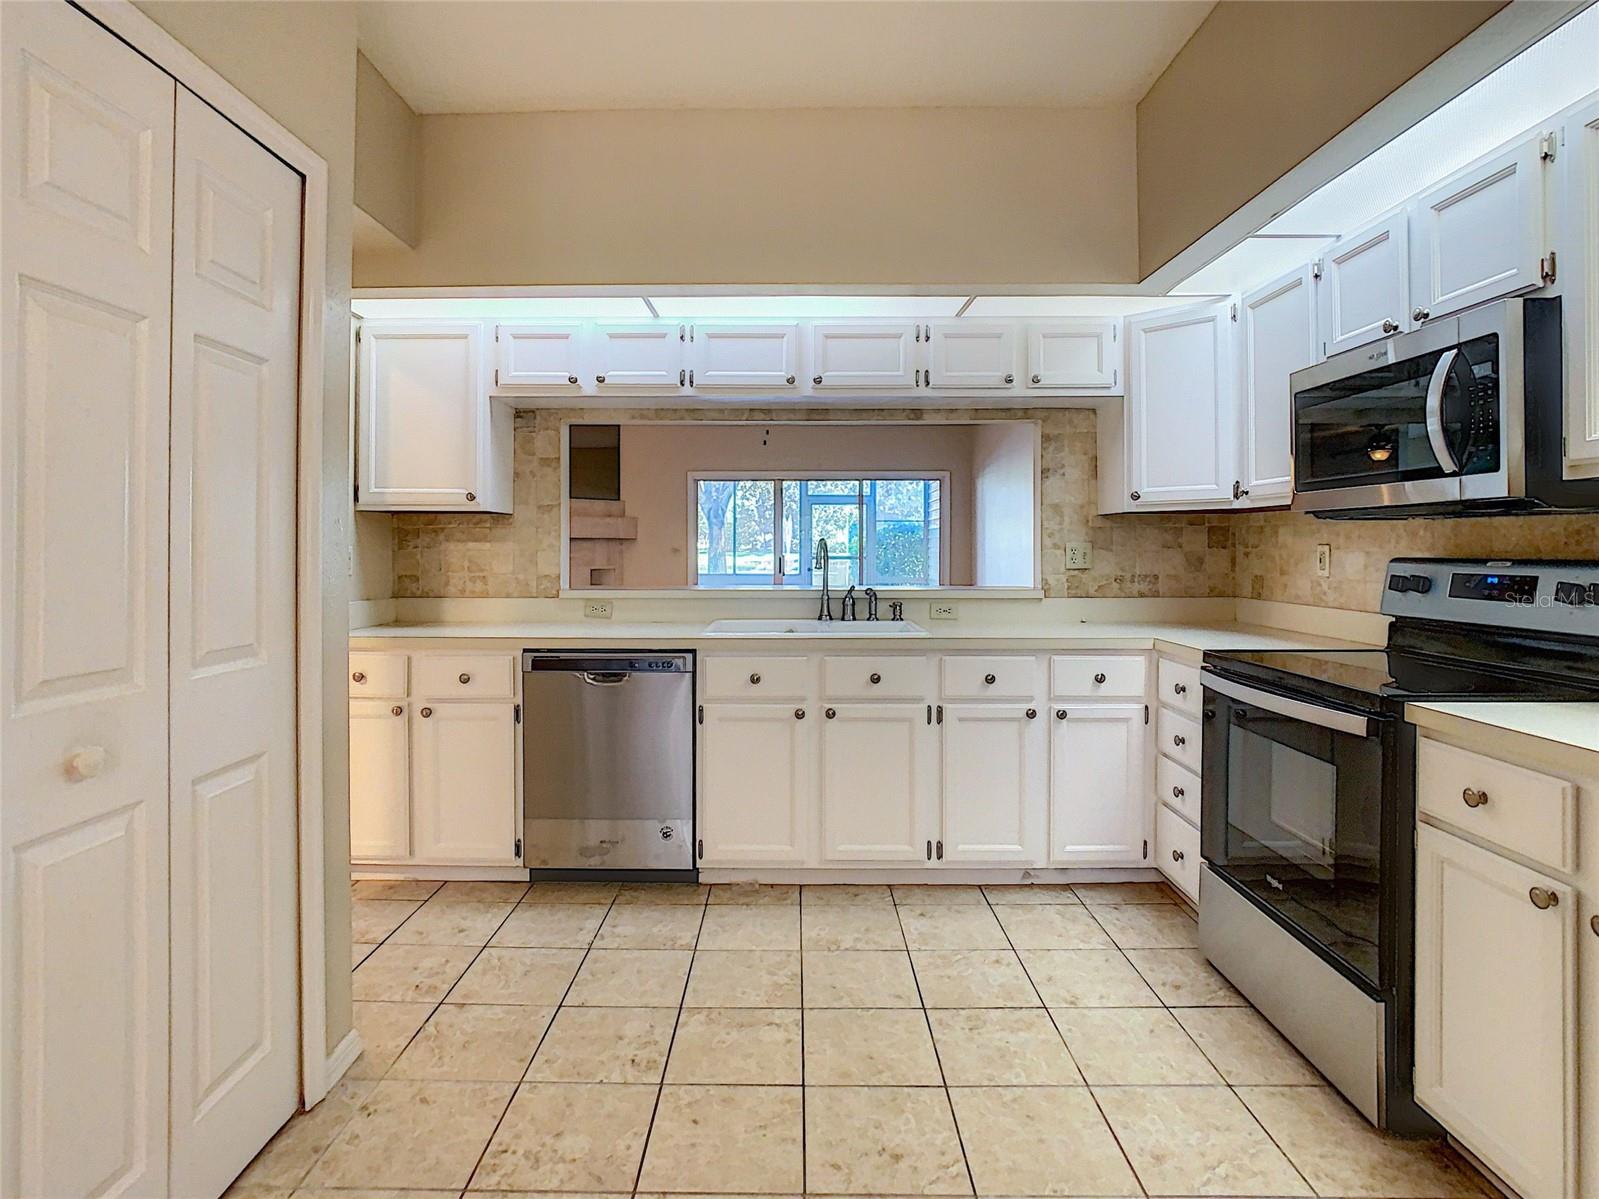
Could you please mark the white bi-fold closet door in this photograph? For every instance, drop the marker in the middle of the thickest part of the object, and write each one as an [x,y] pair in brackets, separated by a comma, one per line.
[151,258]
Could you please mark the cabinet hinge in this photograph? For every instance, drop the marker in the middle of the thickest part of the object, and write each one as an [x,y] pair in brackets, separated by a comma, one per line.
[699,849]
[1146,713]
[1546,267]
[1547,145]
[519,848]
[1315,269]
[496,333]
[1232,312]
[1146,850]
[699,714]
[929,713]
[682,333]
[496,376]
[940,711]
[357,490]
[518,712]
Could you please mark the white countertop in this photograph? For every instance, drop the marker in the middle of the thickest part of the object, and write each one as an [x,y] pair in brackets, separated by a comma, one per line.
[1573,724]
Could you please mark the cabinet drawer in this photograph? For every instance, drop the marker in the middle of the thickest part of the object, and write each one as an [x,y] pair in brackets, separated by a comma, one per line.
[874,678]
[464,676]
[756,678]
[1522,810]
[1177,787]
[1074,676]
[377,676]
[1178,738]
[990,678]
[1181,687]
[1177,851]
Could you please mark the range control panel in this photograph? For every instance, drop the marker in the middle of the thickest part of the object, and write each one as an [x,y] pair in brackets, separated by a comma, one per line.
[1536,596]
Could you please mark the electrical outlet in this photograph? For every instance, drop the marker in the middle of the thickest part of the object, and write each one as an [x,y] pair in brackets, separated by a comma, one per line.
[1079,555]
[597,609]
[1324,561]
[941,611]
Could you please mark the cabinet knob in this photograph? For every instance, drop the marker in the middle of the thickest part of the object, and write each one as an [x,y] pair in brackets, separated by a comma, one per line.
[465,678]
[84,762]
[1133,495]
[1010,378]
[817,380]
[1390,326]
[426,712]
[830,713]
[1473,797]
[989,679]
[1179,739]
[755,680]
[799,713]
[571,378]
[1038,378]
[1180,688]
[1178,793]
[1420,314]
[1060,713]
[1543,898]
[1032,713]
[1100,677]
[396,710]
[359,676]
[471,497]
[791,380]
[1176,855]
[876,678]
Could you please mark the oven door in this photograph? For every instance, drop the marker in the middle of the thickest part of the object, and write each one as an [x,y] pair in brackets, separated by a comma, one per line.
[1293,817]
[1404,422]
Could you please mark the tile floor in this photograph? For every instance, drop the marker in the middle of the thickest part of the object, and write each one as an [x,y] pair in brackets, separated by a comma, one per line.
[836,1040]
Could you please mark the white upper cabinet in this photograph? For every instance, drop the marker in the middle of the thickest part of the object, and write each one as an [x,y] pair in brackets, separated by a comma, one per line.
[864,356]
[539,356]
[1479,235]
[640,356]
[1579,268]
[759,357]
[1278,330]
[1074,355]
[962,355]
[1364,292]
[430,437]
[1099,812]
[994,762]
[1181,406]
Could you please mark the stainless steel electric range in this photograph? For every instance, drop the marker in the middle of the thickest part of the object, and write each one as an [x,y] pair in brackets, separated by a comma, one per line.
[1309,810]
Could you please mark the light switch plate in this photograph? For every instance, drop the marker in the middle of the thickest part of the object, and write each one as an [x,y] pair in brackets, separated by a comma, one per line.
[597,609]
[1324,561]
[941,612]
[1079,555]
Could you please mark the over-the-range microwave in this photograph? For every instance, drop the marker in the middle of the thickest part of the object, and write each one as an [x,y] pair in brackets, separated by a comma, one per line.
[1462,417]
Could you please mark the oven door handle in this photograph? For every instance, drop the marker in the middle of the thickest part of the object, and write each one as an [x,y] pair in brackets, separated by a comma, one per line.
[1294,709]
[1435,413]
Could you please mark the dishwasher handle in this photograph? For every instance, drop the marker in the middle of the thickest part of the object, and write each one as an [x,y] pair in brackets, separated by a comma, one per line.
[603,678]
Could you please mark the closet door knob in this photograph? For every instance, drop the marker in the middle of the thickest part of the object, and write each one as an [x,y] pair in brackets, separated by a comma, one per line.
[426,712]
[359,676]
[84,762]
[396,710]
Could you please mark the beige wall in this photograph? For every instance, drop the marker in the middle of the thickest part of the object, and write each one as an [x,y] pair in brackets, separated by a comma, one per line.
[470,555]
[388,153]
[657,461]
[297,61]
[821,196]
[1259,87]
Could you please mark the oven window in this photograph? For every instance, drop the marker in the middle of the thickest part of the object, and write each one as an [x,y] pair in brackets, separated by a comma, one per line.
[1371,428]
[1303,829]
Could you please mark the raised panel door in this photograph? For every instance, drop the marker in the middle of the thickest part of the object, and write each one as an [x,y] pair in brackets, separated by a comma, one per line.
[1364,292]
[757,795]
[463,783]
[543,356]
[1098,802]
[864,356]
[1181,406]
[971,355]
[380,781]
[422,416]
[640,356]
[877,783]
[1496,1011]
[763,357]
[86,130]
[1279,337]
[1074,356]
[993,783]
[1579,267]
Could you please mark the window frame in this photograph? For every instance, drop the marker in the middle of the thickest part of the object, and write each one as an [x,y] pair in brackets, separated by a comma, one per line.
[774,582]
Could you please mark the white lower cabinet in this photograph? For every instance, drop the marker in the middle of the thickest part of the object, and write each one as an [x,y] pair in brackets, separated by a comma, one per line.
[434,781]
[878,783]
[993,783]
[755,783]
[1098,812]
[1177,851]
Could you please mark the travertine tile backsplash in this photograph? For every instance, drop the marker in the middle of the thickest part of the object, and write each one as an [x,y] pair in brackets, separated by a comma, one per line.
[1262,555]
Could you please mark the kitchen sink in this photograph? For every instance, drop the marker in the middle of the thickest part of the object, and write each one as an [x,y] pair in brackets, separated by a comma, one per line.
[760,627]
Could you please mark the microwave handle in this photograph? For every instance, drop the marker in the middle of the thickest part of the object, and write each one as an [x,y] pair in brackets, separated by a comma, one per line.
[1435,413]
[1294,709]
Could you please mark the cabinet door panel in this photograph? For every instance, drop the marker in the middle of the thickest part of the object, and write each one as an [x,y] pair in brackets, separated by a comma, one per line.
[380,784]
[745,356]
[423,413]
[993,794]
[1177,851]
[1579,268]
[1181,406]
[545,356]
[463,783]
[1365,286]
[1478,236]
[976,356]
[1496,1010]
[877,779]
[1279,337]
[756,790]
[863,355]
[1074,355]
[639,356]
[1098,801]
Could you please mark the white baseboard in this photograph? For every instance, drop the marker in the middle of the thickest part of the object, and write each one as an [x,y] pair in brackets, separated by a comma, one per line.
[944,874]
[511,874]
[338,1063]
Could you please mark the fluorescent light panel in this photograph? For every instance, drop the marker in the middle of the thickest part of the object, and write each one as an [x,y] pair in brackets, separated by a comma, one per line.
[683,308]
[535,308]
[1250,263]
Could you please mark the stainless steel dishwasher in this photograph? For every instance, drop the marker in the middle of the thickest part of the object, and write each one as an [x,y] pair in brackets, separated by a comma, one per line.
[608,761]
